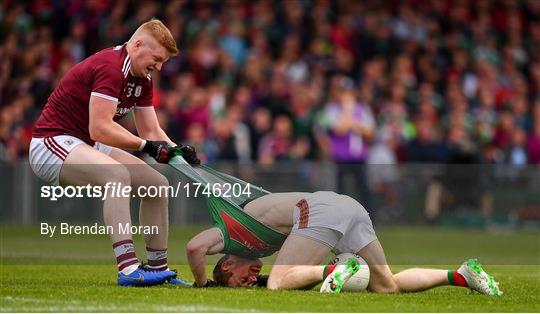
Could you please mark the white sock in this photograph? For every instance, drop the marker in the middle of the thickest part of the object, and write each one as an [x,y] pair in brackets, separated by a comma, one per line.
[131,268]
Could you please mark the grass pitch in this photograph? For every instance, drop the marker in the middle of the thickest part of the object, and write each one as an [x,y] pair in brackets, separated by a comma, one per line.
[77,273]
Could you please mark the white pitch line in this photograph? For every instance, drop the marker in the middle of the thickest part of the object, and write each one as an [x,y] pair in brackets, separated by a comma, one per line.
[77,306]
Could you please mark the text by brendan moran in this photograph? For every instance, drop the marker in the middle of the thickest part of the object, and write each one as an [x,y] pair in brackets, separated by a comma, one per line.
[65,228]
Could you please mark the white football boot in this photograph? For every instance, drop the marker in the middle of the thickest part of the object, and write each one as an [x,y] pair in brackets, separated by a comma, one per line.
[334,282]
[477,279]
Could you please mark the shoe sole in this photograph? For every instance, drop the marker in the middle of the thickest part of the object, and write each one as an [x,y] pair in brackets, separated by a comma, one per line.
[352,266]
[476,268]
[128,283]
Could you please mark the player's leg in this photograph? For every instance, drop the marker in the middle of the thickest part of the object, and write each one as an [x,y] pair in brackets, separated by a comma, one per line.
[409,280]
[382,280]
[360,237]
[380,275]
[470,274]
[296,264]
[68,160]
[419,279]
[153,210]
[86,165]
[309,242]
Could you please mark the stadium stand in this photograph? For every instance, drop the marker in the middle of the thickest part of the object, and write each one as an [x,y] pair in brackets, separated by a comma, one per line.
[427,81]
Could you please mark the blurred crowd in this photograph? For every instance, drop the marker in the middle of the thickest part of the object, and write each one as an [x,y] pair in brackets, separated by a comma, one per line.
[445,81]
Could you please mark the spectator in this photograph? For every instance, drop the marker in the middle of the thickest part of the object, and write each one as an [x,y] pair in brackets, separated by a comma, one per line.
[394,109]
[206,149]
[504,130]
[533,142]
[195,109]
[280,143]
[516,154]
[260,125]
[350,128]
[230,139]
[470,67]
[427,147]
[486,116]
[233,42]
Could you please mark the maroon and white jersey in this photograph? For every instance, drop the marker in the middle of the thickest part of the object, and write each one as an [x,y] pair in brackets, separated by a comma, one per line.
[106,74]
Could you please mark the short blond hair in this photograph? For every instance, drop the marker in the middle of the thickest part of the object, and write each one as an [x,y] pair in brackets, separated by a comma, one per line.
[161,33]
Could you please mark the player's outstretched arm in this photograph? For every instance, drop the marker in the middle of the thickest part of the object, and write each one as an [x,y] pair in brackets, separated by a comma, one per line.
[103,129]
[148,126]
[208,242]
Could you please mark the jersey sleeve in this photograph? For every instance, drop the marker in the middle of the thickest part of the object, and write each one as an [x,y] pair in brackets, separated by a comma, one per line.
[146,95]
[107,82]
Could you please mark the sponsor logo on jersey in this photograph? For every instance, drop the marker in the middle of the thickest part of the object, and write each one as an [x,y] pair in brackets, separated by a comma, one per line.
[122,111]
[241,234]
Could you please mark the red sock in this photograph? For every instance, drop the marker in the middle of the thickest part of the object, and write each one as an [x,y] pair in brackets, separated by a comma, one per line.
[328,269]
[456,279]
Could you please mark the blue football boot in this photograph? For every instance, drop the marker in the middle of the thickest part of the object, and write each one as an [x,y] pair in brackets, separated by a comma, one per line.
[143,277]
[179,282]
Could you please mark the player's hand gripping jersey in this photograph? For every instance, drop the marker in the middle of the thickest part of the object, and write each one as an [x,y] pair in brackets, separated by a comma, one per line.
[106,74]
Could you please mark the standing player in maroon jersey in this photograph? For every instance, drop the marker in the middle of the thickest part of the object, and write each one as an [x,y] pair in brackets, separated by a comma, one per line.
[78,141]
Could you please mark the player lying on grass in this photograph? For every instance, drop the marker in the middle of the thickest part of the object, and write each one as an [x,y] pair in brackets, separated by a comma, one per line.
[78,141]
[304,227]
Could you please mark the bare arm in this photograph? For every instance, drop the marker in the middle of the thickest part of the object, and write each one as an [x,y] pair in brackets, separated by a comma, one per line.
[148,125]
[103,129]
[363,130]
[347,123]
[343,125]
[208,242]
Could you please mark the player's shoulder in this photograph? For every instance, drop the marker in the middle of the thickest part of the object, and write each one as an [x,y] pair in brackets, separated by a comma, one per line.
[113,58]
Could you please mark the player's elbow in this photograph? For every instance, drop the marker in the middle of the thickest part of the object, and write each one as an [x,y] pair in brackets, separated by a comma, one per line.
[97,132]
[194,248]
[100,130]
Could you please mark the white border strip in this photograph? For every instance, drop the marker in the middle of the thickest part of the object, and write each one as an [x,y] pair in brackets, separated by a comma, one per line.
[128,68]
[104,96]
[124,65]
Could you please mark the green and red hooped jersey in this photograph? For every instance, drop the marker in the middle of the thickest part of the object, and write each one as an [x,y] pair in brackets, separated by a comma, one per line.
[243,235]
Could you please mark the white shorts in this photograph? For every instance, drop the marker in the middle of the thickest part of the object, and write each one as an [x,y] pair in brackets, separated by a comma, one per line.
[47,155]
[338,221]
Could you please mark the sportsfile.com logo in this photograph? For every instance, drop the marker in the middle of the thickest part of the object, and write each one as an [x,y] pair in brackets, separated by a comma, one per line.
[117,189]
